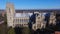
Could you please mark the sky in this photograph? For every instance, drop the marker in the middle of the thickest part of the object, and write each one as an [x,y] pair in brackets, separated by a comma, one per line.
[32,4]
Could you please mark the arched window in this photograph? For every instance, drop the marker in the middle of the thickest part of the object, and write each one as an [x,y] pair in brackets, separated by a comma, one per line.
[9,10]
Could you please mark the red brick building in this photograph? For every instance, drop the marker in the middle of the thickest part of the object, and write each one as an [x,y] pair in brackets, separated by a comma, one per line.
[57,32]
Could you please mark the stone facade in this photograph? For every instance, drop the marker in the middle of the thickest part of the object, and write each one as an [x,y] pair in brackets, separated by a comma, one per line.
[10,14]
[52,19]
[22,19]
[12,20]
[40,23]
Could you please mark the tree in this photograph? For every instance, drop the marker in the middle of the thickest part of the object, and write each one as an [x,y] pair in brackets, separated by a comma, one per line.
[11,31]
[26,30]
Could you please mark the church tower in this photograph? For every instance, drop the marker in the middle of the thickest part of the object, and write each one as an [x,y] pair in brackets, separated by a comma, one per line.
[40,23]
[10,13]
[52,19]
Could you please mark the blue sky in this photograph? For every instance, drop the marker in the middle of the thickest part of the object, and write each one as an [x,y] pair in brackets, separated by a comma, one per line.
[32,4]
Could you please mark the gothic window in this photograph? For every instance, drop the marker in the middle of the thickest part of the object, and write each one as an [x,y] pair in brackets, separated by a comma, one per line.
[34,27]
[22,25]
[38,17]
[14,21]
[9,10]
[25,20]
[18,20]
[22,20]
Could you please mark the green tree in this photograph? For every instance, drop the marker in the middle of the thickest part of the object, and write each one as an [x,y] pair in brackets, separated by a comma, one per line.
[26,30]
[11,31]
[3,26]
